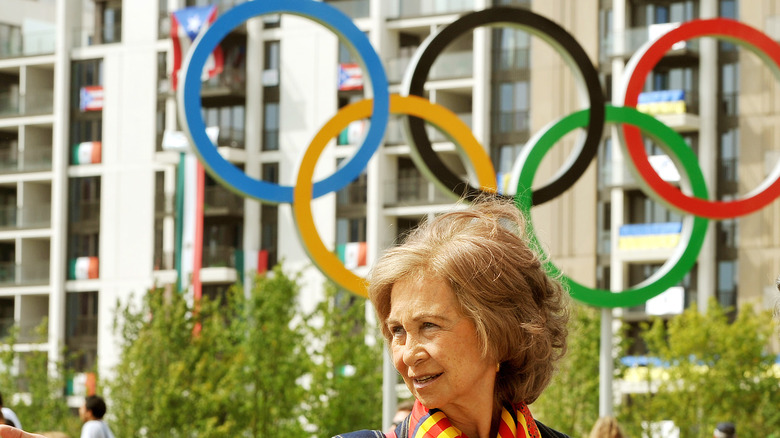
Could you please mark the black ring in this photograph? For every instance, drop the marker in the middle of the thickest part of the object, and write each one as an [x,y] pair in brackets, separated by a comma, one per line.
[565,45]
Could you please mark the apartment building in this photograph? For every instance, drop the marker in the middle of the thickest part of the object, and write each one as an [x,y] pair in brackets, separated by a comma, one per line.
[89,190]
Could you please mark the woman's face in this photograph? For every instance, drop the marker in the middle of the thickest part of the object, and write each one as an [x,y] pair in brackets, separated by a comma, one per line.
[435,348]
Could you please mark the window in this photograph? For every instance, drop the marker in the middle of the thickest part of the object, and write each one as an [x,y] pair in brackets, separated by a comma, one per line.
[81,324]
[511,49]
[230,120]
[271,126]
[83,217]
[512,107]
[269,218]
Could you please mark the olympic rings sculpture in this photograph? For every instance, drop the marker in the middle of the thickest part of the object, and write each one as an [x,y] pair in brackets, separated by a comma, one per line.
[692,198]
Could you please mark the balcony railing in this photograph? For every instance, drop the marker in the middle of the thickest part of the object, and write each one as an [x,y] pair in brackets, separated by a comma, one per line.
[219,256]
[33,160]
[448,65]
[14,274]
[352,8]
[395,130]
[231,78]
[413,190]
[89,36]
[624,44]
[418,8]
[353,194]
[163,260]
[14,104]
[29,44]
[217,199]
[13,217]
[85,212]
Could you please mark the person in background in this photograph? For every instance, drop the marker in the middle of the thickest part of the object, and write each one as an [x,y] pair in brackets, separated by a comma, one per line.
[9,415]
[403,410]
[474,324]
[91,413]
[606,427]
[725,429]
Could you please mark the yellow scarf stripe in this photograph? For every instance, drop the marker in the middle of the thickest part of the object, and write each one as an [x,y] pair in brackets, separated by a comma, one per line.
[429,423]
[506,417]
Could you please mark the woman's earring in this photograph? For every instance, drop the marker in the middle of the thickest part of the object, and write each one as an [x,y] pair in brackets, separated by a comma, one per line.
[498,366]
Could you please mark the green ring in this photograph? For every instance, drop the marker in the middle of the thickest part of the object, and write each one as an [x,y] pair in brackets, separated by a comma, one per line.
[694,228]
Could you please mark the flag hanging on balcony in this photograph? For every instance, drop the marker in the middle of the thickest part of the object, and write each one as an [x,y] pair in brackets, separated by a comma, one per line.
[186,25]
[350,77]
[352,254]
[83,268]
[91,98]
[87,152]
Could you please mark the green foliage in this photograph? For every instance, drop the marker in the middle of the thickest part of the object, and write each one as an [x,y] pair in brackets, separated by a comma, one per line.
[717,371]
[221,369]
[352,400]
[42,382]
[571,402]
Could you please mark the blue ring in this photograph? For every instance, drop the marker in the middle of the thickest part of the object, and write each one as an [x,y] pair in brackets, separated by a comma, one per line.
[190,98]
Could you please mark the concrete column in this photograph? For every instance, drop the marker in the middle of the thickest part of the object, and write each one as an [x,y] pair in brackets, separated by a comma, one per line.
[255,47]
[67,20]
[708,151]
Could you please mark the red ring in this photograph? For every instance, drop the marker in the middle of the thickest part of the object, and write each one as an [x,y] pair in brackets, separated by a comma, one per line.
[748,36]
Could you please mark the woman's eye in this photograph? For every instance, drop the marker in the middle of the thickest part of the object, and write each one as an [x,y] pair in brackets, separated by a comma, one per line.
[427,325]
[397,330]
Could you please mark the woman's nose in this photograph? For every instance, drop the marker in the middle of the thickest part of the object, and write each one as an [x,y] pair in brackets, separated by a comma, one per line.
[414,351]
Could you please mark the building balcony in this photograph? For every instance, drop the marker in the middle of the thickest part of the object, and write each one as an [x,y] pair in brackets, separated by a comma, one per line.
[33,160]
[413,191]
[353,194]
[15,274]
[218,201]
[91,36]
[85,212]
[13,217]
[448,65]
[421,8]
[352,8]
[219,256]
[624,44]
[232,81]
[15,104]
[38,42]
[395,130]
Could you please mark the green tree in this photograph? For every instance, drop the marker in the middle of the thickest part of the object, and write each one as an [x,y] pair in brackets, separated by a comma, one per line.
[714,370]
[571,402]
[346,386]
[215,369]
[41,382]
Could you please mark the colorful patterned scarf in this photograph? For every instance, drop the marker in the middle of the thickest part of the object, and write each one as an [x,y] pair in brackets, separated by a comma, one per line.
[516,422]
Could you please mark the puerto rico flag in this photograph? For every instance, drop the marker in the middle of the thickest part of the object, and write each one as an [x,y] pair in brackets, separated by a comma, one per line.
[91,98]
[350,77]
[186,24]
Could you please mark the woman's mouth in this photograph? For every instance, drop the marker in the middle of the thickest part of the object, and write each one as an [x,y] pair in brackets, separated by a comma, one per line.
[422,382]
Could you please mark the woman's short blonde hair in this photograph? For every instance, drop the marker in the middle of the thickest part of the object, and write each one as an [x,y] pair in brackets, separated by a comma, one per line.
[499,282]
[606,427]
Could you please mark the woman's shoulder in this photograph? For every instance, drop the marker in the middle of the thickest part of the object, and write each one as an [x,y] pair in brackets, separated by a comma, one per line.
[546,432]
[362,434]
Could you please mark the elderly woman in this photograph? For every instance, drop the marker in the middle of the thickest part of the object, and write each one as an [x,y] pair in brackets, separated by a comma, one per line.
[474,324]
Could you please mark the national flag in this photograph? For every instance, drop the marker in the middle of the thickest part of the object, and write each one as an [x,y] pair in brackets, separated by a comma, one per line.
[352,254]
[83,268]
[187,189]
[350,77]
[91,98]
[186,25]
[87,152]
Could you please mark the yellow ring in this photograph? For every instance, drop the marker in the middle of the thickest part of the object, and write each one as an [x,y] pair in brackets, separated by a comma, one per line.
[435,114]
